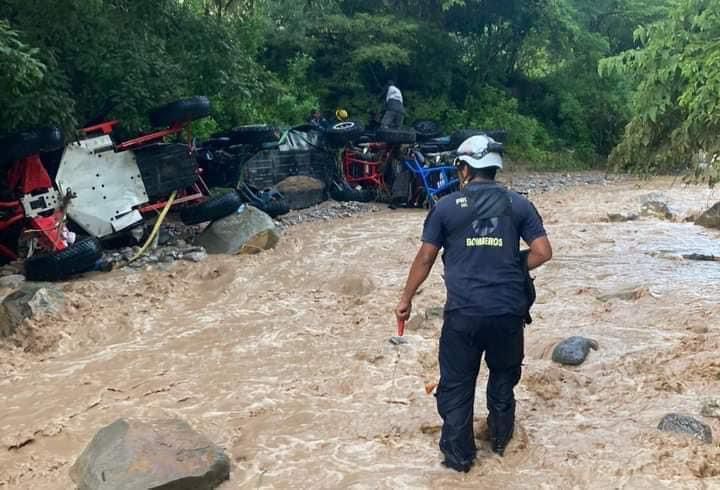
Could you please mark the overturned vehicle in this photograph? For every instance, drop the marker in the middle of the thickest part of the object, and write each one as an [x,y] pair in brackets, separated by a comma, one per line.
[54,218]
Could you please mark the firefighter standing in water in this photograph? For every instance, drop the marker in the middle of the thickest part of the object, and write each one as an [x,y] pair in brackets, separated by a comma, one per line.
[479,229]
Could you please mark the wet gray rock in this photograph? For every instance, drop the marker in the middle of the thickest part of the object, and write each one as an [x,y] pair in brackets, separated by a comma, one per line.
[302,192]
[710,218]
[684,424]
[247,231]
[573,351]
[701,257]
[655,205]
[13,281]
[167,454]
[163,256]
[11,269]
[195,256]
[621,218]
[31,300]
[711,408]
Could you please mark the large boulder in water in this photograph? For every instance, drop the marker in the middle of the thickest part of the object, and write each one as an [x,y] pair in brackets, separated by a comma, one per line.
[710,218]
[655,205]
[167,454]
[31,300]
[247,231]
[684,424]
[302,192]
[573,351]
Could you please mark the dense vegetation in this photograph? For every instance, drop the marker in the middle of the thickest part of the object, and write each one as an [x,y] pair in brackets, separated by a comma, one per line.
[530,66]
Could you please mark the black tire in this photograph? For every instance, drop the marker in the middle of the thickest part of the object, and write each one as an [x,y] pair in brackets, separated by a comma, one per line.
[352,195]
[461,135]
[253,134]
[166,167]
[340,134]
[217,143]
[426,130]
[499,135]
[457,138]
[181,111]
[214,208]
[76,259]
[17,146]
[274,208]
[393,136]
[270,201]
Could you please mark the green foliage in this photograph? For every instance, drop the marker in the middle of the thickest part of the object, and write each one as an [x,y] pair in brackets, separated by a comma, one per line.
[525,66]
[29,94]
[676,102]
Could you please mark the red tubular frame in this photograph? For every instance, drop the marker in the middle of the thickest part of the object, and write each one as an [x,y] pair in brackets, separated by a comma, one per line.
[149,138]
[358,171]
[104,128]
[29,175]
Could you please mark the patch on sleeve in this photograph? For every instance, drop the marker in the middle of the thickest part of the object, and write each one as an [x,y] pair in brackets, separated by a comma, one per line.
[462,202]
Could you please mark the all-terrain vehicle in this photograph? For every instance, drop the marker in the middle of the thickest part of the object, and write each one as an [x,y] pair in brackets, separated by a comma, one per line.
[102,187]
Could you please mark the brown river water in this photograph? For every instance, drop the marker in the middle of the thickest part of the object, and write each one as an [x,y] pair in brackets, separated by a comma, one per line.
[283,358]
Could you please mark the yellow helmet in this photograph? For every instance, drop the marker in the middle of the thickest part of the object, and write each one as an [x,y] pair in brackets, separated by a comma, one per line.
[341,115]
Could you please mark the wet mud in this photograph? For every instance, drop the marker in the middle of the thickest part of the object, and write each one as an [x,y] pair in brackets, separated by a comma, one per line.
[283,358]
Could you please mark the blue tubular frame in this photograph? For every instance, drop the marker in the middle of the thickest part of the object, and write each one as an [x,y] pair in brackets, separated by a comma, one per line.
[448,171]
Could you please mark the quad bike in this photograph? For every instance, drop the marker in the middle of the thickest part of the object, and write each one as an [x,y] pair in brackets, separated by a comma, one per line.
[102,188]
[369,165]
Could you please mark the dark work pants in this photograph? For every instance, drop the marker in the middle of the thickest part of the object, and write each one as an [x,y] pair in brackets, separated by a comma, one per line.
[392,119]
[463,341]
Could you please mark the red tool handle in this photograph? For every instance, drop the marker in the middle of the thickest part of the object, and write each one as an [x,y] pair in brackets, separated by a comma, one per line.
[401,327]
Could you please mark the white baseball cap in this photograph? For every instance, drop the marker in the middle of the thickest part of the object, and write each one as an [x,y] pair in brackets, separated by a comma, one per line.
[480,152]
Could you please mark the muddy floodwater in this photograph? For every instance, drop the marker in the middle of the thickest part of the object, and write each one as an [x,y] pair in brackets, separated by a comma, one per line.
[283,358]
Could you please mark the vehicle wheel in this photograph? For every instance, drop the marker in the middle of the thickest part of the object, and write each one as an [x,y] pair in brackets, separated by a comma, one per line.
[217,143]
[271,202]
[274,208]
[461,135]
[77,258]
[253,134]
[396,136]
[426,130]
[166,167]
[212,209]
[342,133]
[17,146]
[180,112]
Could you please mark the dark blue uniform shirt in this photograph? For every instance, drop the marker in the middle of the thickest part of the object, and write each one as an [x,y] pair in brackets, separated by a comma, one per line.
[481,247]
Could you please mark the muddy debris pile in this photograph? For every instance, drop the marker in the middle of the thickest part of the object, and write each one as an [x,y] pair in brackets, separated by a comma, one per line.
[326,211]
[166,254]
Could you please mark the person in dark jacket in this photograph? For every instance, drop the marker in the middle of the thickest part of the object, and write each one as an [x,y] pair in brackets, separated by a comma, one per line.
[479,229]
[394,107]
[317,120]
